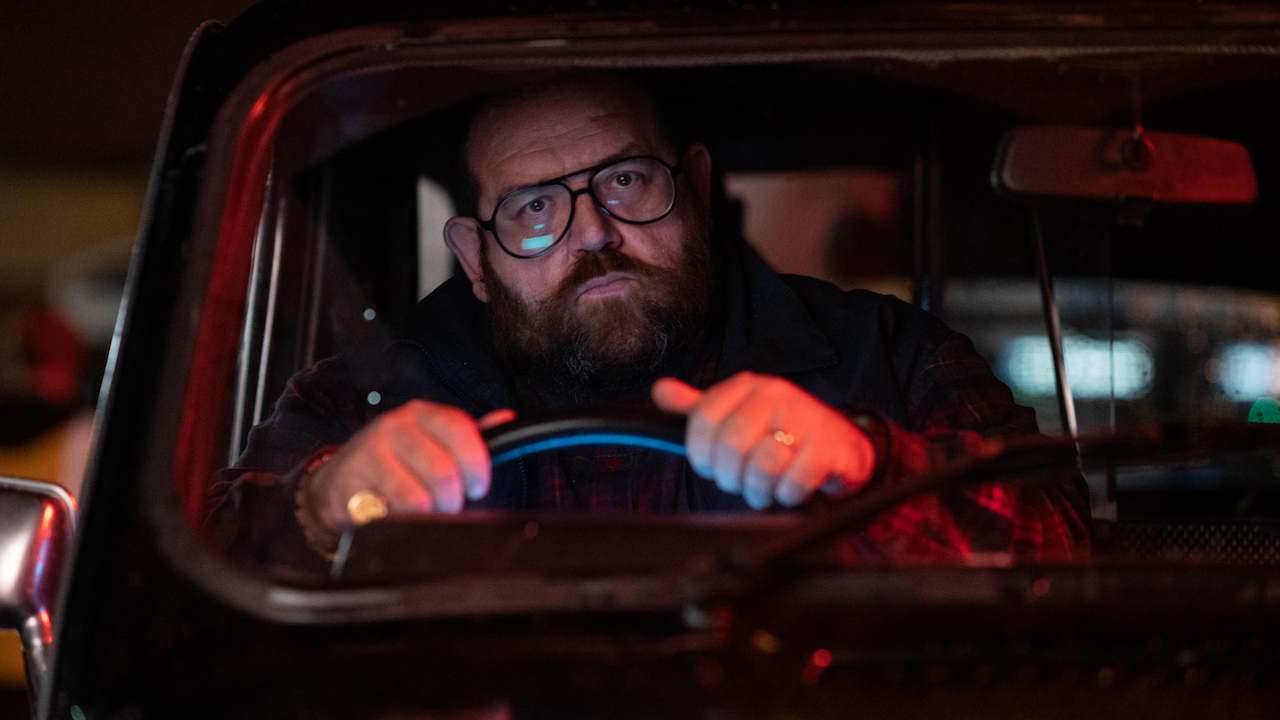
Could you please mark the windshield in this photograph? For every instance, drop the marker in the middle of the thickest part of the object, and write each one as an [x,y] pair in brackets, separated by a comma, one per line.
[870,175]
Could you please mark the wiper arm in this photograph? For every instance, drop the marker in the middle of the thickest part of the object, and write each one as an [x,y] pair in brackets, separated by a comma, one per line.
[718,579]
[724,578]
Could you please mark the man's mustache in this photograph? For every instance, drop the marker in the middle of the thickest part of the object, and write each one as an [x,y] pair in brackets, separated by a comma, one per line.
[601,262]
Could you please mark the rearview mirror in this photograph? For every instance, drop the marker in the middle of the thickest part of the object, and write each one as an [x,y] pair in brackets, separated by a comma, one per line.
[1122,163]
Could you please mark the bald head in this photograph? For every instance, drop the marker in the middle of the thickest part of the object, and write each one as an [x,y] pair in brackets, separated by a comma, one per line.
[558,123]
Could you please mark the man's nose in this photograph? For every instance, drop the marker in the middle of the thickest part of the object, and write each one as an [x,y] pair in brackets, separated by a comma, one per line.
[592,228]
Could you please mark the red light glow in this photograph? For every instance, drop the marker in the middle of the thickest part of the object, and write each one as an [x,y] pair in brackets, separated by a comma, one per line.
[46,627]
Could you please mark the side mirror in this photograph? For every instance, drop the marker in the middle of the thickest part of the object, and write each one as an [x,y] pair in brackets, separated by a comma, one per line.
[1084,163]
[37,527]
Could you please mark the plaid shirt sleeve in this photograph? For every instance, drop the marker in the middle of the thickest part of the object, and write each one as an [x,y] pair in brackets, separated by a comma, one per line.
[954,403]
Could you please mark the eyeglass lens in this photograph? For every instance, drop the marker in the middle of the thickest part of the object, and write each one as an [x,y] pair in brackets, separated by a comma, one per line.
[635,190]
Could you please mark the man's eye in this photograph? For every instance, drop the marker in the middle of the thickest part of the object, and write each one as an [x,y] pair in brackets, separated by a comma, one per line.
[535,206]
[527,208]
[626,179]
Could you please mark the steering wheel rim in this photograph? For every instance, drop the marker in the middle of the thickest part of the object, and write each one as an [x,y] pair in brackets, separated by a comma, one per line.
[642,428]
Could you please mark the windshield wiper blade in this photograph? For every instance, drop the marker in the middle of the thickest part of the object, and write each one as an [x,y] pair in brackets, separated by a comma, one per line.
[727,578]
[730,577]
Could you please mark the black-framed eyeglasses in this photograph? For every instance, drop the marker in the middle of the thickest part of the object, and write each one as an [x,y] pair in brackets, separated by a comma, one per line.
[530,221]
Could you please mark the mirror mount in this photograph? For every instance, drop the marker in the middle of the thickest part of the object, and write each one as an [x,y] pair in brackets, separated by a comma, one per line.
[1137,154]
[37,528]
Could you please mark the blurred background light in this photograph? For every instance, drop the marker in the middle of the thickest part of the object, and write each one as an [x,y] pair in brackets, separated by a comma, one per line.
[1247,370]
[1026,364]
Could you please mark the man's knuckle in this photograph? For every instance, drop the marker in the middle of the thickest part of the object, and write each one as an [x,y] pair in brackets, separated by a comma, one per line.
[440,460]
[760,475]
[807,472]
[739,427]
[725,454]
[450,414]
[701,428]
[441,418]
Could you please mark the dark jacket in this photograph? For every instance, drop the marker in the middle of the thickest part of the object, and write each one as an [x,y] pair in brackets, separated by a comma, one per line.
[930,394]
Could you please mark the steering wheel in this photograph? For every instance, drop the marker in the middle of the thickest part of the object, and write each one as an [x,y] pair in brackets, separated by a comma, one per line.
[643,428]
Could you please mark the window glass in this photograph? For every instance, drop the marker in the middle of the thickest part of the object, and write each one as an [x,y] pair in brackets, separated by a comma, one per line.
[871,175]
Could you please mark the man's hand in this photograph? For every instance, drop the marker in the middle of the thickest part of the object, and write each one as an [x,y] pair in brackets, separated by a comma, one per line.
[764,437]
[422,457]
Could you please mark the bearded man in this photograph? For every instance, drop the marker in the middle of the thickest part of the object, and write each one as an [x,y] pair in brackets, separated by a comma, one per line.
[593,275]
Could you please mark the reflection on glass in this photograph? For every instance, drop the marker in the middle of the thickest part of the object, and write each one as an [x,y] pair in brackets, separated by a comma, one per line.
[536,243]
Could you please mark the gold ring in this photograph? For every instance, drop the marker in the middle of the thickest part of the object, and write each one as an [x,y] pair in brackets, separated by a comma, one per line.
[785,438]
[366,506]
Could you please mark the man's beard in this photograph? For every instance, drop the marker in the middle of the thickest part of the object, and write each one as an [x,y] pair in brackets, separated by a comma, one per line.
[581,351]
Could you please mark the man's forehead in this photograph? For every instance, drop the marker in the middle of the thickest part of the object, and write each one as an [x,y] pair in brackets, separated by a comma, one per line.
[551,134]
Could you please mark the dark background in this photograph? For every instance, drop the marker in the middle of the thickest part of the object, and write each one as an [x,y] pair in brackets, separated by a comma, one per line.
[83,85]
[82,92]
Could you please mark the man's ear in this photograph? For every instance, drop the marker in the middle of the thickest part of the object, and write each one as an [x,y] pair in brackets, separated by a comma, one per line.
[697,166]
[463,235]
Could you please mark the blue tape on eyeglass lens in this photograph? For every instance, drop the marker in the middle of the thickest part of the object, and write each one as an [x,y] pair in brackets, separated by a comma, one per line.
[537,243]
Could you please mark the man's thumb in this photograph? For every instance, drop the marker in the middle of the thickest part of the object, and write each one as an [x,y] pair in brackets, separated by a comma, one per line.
[494,418]
[675,396]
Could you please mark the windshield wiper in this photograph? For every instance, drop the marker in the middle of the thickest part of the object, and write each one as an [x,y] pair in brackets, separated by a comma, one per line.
[729,577]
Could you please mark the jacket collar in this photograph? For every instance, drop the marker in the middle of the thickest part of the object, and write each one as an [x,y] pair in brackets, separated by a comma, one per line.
[767,327]
[451,329]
